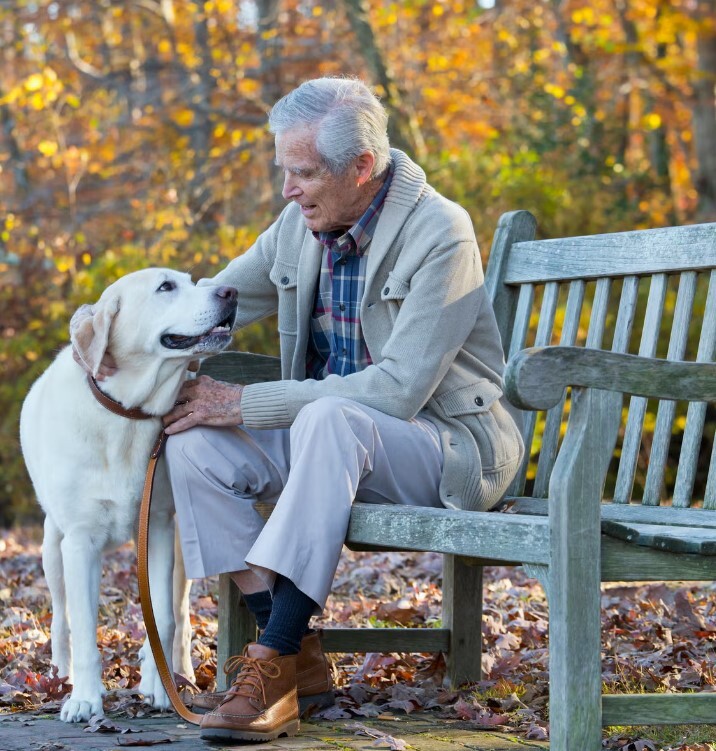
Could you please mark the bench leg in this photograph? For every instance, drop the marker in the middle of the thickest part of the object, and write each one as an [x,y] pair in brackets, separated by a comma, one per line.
[237,627]
[574,673]
[462,614]
[575,676]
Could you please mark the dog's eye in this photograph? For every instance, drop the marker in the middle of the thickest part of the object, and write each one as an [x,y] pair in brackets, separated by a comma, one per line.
[166,287]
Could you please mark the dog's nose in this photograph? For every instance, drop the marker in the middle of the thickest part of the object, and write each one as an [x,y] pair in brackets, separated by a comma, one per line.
[227,293]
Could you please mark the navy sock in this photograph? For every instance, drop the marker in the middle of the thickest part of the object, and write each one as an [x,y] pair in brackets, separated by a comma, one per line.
[291,612]
[259,604]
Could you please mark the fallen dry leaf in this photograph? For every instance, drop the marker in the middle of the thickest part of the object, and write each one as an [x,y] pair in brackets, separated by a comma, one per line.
[147,739]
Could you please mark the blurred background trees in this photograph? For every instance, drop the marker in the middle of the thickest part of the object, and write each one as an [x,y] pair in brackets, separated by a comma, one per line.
[133,133]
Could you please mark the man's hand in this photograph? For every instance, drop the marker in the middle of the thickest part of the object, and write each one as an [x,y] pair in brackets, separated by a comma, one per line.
[205,401]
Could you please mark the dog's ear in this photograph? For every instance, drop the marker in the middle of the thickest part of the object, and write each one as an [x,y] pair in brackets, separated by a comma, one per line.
[89,331]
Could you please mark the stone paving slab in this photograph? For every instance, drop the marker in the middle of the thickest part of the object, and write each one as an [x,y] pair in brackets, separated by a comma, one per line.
[421,731]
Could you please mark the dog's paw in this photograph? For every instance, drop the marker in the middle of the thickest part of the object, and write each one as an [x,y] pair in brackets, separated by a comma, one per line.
[81,708]
[153,691]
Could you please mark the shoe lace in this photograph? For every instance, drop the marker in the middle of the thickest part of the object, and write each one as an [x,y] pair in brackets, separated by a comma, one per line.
[250,679]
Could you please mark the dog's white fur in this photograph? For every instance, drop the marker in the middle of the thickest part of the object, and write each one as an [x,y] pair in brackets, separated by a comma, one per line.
[88,465]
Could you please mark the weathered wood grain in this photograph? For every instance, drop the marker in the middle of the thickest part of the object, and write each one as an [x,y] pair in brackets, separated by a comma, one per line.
[553,423]
[242,367]
[386,640]
[643,252]
[462,618]
[513,226]
[698,540]
[237,627]
[632,512]
[574,582]
[666,410]
[659,709]
[536,377]
[637,404]
[477,534]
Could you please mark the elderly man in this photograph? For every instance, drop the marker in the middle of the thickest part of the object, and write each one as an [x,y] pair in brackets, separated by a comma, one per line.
[391,391]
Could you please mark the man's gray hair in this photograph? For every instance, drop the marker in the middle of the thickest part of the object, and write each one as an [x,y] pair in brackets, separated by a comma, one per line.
[348,117]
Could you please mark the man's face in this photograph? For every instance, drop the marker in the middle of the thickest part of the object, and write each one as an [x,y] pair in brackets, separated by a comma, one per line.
[328,202]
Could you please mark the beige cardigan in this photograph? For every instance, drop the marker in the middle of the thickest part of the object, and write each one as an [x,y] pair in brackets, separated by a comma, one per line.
[427,322]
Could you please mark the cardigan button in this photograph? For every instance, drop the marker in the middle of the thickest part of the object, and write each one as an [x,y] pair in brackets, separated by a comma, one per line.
[284,280]
[386,290]
[479,401]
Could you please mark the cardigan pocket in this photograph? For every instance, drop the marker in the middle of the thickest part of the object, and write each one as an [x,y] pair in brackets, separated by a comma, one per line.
[474,398]
[478,408]
[283,275]
[393,293]
[285,278]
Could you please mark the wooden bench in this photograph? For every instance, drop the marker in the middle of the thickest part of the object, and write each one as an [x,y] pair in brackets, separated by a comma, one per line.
[583,320]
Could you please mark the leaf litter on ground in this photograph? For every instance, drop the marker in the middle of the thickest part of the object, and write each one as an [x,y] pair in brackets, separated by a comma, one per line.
[655,637]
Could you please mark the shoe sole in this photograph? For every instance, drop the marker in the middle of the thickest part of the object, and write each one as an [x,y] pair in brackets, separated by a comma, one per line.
[307,705]
[222,734]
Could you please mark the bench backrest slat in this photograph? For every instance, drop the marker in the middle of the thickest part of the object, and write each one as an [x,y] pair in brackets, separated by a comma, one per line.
[667,409]
[598,315]
[696,415]
[637,404]
[627,313]
[523,315]
[643,252]
[550,435]
[518,338]
[543,337]
[710,492]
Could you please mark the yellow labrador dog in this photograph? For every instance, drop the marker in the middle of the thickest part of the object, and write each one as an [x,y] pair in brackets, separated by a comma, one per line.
[87,463]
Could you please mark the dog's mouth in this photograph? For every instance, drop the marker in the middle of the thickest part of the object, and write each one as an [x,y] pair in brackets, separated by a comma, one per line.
[181,341]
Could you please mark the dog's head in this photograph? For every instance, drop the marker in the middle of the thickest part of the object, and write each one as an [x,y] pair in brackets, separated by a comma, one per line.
[154,313]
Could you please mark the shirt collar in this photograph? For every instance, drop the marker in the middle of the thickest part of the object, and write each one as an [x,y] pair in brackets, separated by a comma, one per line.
[358,237]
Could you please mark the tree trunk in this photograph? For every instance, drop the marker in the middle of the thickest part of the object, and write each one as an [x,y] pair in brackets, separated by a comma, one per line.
[403,129]
[704,111]
[200,90]
[270,49]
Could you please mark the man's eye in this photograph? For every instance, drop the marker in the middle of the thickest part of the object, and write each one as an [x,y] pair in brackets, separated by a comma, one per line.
[166,287]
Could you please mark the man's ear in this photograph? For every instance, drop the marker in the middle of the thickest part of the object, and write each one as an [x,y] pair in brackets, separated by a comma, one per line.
[364,167]
[89,331]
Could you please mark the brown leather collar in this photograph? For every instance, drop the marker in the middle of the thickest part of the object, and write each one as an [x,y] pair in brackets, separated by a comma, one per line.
[136,413]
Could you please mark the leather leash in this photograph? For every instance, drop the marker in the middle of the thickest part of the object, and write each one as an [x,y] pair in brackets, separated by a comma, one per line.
[145,597]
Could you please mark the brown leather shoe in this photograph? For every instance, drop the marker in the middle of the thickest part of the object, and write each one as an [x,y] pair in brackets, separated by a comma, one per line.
[262,703]
[313,680]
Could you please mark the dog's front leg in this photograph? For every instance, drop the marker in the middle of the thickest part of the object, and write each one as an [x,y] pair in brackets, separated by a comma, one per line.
[182,635]
[161,565]
[82,562]
[55,578]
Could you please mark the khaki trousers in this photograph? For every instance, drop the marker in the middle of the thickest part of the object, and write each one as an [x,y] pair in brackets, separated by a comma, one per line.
[336,451]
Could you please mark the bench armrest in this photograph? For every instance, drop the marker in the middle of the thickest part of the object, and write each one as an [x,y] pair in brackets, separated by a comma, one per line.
[535,378]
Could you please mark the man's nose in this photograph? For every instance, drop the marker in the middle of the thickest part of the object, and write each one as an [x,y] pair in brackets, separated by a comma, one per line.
[290,187]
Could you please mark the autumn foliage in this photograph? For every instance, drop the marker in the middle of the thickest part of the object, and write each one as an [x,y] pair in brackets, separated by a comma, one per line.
[134,134]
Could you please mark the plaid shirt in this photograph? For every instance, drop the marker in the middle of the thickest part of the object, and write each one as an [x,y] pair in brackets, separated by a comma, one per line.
[336,343]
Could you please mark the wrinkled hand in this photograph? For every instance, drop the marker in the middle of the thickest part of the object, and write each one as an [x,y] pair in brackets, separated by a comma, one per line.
[205,401]
[107,367]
